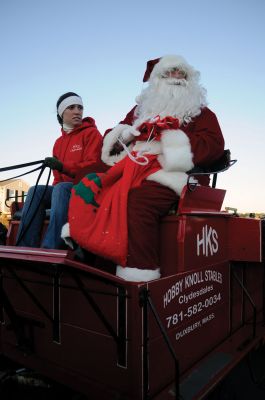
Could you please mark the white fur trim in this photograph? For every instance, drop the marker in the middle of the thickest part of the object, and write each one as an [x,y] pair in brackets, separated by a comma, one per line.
[170,61]
[148,148]
[176,151]
[129,134]
[65,230]
[110,139]
[65,235]
[69,101]
[136,274]
[174,180]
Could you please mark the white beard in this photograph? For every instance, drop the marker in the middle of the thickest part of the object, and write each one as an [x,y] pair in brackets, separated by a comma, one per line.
[177,98]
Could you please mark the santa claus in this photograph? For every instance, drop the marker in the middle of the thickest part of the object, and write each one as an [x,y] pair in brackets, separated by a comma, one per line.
[165,135]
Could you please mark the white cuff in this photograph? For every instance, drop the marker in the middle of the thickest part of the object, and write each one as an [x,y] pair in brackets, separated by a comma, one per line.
[176,151]
[136,274]
[65,235]
[109,141]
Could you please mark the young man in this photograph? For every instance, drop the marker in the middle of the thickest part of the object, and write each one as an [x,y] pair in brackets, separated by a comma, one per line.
[79,146]
[166,134]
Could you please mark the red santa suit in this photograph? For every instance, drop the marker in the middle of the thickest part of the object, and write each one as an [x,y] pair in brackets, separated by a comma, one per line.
[196,140]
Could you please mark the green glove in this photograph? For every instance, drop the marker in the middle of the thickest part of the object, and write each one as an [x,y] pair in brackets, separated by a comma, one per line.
[53,163]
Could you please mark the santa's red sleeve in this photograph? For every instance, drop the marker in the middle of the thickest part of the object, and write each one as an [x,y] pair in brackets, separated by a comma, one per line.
[206,139]
[128,120]
[198,143]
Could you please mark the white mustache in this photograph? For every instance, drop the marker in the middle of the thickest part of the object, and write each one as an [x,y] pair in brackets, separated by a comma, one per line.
[176,81]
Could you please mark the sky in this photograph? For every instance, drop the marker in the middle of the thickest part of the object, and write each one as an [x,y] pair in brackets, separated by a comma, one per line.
[99,50]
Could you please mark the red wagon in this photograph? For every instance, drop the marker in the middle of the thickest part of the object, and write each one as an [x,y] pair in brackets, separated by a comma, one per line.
[175,337]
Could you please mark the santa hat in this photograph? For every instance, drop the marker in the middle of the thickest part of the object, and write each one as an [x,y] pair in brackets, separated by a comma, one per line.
[158,66]
[149,68]
[66,100]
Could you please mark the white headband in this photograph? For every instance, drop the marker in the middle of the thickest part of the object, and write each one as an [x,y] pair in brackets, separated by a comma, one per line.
[69,101]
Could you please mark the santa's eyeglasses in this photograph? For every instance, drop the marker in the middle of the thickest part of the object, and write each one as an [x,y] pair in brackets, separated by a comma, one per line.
[175,70]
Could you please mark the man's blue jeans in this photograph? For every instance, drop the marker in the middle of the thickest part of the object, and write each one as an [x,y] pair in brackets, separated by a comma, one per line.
[57,199]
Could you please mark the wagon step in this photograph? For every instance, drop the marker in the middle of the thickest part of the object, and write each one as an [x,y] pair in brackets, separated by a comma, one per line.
[200,377]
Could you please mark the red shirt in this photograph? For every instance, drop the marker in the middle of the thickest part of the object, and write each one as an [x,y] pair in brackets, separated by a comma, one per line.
[77,149]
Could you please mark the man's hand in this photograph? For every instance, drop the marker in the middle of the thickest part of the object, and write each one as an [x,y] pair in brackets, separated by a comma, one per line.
[129,134]
[53,163]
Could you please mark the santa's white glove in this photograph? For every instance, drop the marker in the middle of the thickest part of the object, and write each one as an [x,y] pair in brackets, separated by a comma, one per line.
[128,134]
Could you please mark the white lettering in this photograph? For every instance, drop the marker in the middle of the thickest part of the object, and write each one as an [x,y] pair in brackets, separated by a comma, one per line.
[193,279]
[187,330]
[208,241]
[173,292]
[213,276]
[215,242]
[200,242]
[185,298]
[208,318]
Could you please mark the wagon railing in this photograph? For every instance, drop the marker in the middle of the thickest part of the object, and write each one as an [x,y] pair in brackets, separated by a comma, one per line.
[248,297]
[146,302]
